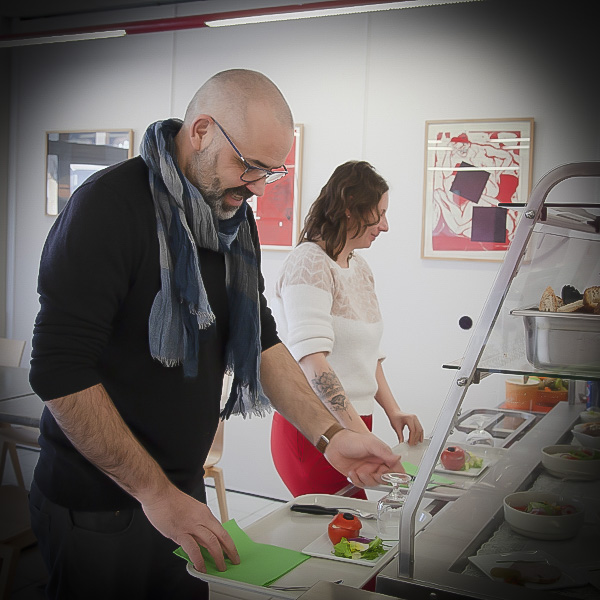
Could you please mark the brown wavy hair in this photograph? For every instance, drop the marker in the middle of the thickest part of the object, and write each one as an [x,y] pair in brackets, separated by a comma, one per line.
[353,189]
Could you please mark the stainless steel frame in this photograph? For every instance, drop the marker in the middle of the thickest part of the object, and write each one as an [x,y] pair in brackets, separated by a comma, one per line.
[467,373]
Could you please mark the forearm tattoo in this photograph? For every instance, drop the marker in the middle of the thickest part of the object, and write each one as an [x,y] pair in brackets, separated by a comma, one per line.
[330,390]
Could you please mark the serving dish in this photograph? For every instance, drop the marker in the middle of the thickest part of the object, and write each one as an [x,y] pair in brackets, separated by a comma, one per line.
[589,441]
[323,548]
[569,468]
[569,576]
[556,340]
[472,472]
[590,414]
[543,527]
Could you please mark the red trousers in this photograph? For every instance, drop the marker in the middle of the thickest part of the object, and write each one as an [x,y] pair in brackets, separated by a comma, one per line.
[302,468]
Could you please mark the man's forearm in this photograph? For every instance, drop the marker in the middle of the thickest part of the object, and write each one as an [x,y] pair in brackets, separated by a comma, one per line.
[328,388]
[290,393]
[93,425]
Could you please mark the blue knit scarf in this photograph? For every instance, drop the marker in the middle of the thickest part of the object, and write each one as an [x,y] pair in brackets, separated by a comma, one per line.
[181,314]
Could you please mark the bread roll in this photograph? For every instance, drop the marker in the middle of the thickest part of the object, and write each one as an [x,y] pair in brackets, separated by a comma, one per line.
[549,301]
[591,296]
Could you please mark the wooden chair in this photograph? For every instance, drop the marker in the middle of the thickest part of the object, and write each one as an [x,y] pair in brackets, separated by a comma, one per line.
[214,456]
[12,436]
[15,533]
[11,352]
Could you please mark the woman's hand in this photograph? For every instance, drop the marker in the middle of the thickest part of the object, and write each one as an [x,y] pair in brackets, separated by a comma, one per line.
[400,420]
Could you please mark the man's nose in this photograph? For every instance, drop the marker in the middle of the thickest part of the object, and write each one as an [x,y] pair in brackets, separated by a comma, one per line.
[257,187]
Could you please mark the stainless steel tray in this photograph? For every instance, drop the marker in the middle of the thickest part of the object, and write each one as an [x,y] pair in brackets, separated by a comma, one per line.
[504,425]
[569,341]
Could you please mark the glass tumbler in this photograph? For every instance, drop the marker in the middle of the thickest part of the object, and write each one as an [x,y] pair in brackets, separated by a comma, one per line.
[479,436]
[389,508]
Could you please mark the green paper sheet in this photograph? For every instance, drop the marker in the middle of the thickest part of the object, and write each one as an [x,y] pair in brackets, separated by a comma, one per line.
[260,564]
[435,479]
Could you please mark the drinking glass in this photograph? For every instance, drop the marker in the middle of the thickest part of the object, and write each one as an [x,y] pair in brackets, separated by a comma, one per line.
[389,508]
[479,436]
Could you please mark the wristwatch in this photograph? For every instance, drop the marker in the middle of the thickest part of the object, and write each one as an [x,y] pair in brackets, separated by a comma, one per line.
[326,437]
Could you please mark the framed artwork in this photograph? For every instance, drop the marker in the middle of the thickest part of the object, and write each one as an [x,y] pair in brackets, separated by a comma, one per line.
[277,211]
[470,168]
[72,156]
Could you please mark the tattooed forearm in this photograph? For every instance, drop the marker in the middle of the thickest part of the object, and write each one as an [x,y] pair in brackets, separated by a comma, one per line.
[330,390]
[327,384]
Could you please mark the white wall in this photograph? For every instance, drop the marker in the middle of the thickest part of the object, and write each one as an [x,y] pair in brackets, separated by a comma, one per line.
[363,86]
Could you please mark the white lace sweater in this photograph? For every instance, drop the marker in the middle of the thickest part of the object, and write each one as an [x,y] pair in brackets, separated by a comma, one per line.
[322,307]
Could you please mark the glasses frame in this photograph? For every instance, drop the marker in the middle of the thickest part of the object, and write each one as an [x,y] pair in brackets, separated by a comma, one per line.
[266,174]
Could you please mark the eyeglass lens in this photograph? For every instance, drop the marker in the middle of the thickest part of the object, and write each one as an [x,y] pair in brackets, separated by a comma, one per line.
[250,175]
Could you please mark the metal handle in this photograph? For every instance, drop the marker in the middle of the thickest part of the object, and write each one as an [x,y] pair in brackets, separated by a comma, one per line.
[314,509]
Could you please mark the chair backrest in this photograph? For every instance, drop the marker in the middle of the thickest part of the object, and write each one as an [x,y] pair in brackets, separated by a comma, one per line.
[11,352]
[216,450]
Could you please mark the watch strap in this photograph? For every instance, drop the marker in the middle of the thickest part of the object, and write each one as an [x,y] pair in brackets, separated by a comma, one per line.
[325,438]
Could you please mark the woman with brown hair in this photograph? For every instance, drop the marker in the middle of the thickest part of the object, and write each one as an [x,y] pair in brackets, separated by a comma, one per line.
[328,315]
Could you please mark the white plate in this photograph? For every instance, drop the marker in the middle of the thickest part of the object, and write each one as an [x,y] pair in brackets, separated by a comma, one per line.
[439,468]
[323,548]
[571,577]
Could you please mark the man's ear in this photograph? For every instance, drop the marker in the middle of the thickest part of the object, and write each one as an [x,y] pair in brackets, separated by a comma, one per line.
[199,132]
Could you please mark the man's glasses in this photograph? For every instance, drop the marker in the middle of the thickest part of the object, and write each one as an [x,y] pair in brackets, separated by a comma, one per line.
[253,174]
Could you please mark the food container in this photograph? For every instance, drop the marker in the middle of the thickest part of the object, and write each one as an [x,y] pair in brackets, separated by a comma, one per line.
[556,340]
[546,400]
[543,527]
[570,462]
[581,433]
[590,414]
[520,394]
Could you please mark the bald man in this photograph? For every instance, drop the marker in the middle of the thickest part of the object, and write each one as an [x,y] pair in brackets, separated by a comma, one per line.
[150,290]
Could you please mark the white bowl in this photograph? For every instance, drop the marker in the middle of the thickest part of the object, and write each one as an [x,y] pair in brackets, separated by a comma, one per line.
[590,414]
[542,527]
[568,468]
[589,441]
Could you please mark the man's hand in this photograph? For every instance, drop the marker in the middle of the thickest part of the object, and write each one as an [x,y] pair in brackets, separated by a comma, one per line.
[189,523]
[362,457]
[91,421]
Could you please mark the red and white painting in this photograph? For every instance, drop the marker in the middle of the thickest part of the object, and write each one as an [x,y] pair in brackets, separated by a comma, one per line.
[277,211]
[471,167]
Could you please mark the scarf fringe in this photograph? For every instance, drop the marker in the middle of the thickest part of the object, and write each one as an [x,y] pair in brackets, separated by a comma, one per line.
[245,399]
[167,362]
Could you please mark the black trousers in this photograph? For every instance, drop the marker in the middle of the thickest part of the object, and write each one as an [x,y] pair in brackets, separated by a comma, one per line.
[110,555]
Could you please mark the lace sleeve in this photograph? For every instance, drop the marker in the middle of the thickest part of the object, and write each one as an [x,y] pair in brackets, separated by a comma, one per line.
[305,291]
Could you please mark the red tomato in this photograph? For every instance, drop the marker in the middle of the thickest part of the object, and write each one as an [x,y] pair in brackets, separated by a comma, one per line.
[453,458]
[568,509]
[343,525]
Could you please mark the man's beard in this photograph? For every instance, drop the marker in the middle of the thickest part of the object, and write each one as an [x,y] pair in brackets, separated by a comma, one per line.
[214,196]
[210,186]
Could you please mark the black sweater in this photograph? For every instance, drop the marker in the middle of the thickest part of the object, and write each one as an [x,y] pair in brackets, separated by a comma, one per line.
[99,274]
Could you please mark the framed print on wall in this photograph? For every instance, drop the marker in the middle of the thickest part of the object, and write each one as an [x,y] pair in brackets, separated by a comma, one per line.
[277,211]
[470,167]
[72,156]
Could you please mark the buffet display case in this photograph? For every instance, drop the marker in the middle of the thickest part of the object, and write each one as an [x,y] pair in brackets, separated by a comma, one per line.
[468,550]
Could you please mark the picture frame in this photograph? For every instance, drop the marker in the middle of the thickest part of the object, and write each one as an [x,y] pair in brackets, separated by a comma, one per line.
[277,211]
[72,156]
[472,166]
